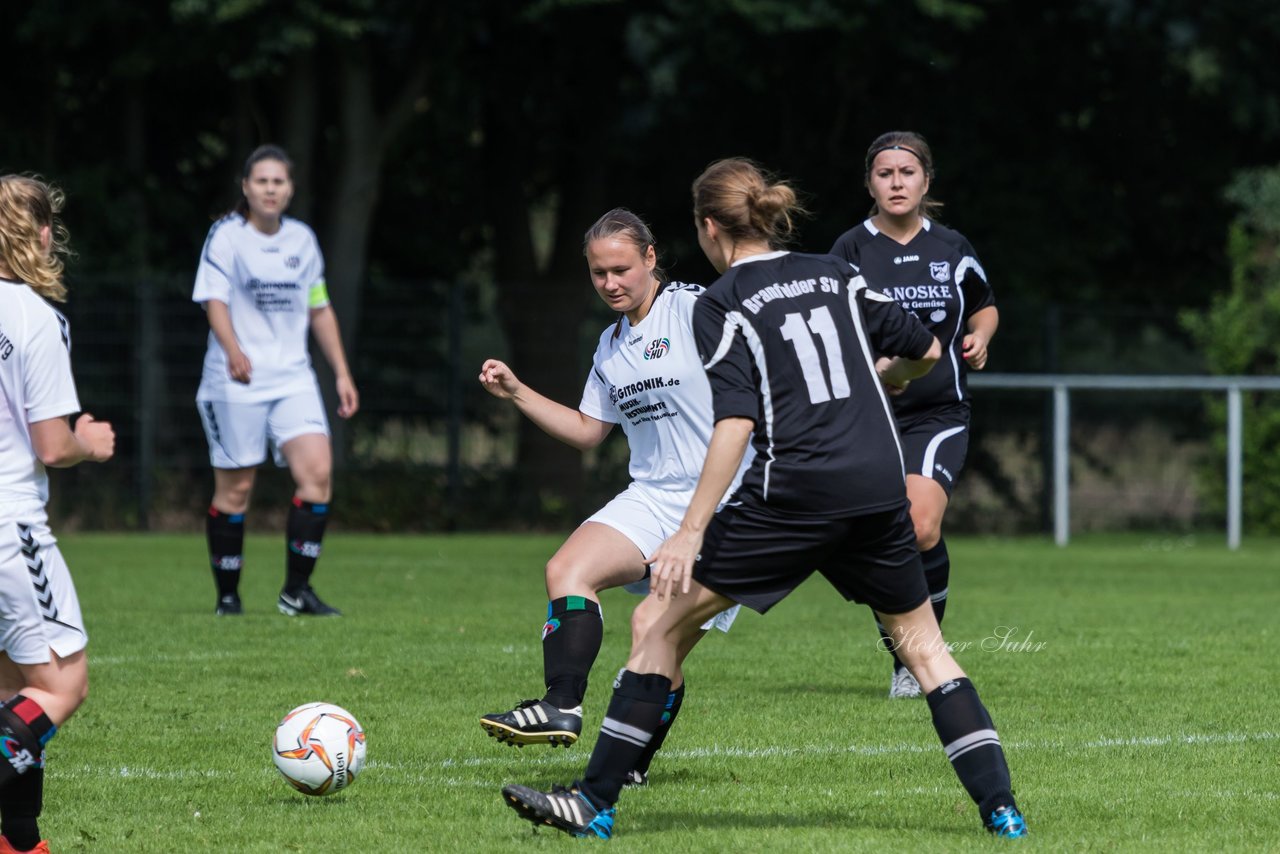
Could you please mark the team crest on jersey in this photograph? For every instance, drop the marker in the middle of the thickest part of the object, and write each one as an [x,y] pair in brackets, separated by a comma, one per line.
[657,348]
[292,262]
[940,270]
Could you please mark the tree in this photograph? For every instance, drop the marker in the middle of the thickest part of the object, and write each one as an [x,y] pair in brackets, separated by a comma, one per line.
[1240,335]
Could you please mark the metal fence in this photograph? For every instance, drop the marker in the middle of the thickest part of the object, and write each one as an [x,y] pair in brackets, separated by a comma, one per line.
[1061,386]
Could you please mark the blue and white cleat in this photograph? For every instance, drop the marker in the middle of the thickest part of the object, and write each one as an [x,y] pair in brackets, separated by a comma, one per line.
[1006,821]
[564,809]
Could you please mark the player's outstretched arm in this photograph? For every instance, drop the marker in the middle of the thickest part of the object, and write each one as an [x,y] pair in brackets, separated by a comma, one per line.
[570,426]
[58,446]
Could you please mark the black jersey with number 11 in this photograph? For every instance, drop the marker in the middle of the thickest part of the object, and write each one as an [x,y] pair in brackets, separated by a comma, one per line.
[787,340]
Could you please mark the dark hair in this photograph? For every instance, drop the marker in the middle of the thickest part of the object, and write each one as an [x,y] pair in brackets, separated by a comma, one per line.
[262,152]
[912,143]
[622,223]
[746,202]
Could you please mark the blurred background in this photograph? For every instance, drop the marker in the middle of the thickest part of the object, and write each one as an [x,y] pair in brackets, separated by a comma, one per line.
[1114,163]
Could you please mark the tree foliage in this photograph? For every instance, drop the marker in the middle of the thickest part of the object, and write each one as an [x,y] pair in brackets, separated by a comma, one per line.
[1081,147]
[1240,335]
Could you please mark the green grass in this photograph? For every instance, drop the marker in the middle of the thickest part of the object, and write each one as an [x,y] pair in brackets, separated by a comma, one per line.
[1145,721]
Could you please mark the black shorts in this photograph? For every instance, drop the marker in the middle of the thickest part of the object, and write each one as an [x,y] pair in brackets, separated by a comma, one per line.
[934,444]
[755,555]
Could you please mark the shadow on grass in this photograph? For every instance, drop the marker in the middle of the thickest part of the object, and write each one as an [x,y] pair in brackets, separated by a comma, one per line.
[651,821]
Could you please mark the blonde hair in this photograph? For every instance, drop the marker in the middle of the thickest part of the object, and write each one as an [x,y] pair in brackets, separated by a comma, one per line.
[28,205]
[746,202]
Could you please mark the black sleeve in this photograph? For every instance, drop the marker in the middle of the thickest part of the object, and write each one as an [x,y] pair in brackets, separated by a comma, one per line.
[893,330]
[723,351]
[977,293]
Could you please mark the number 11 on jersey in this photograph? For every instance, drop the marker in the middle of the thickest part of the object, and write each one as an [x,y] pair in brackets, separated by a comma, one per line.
[818,379]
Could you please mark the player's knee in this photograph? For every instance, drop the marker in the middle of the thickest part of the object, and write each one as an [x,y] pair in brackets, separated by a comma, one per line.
[233,497]
[928,531]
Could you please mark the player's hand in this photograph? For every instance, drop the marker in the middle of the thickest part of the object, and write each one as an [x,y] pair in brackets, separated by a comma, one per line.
[348,397]
[975,350]
[671,566]
[97,437]
[883,365]
[498,379]
[239,368]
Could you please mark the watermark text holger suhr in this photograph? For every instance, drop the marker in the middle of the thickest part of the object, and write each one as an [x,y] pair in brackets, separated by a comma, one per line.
[1001,639]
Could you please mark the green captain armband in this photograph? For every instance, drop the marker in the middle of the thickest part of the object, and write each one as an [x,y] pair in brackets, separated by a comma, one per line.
[319,296]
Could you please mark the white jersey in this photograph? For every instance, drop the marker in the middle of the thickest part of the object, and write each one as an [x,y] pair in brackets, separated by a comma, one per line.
[649,379]
[270,283]
[35,385]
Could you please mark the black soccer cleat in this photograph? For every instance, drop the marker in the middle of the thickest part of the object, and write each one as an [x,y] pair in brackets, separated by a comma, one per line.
[635,778]
[229,606]
[564,809]
[304,602]
[535,722]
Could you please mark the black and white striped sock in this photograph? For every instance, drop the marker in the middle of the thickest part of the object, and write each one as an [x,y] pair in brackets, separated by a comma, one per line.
[634,713]
[971,742]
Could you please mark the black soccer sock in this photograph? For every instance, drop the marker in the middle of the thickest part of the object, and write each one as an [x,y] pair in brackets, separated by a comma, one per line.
[634,713]
[303,533]
[970,740]
[24,730]
[674,700]
[937,574]
[571,640]
[20,804]
[225,532]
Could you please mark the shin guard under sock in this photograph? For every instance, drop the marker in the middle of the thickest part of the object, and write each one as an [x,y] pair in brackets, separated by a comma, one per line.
[634,713]
[674,701]
[24,730]
[970,740]
[225,533]
[304,531]
[571,639]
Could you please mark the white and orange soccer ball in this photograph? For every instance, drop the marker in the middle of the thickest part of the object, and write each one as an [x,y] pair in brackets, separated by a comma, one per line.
[319,748]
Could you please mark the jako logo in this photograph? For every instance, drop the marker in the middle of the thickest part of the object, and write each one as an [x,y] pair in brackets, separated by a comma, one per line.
[948,687]
[904,259]
[657,349]
[549,627]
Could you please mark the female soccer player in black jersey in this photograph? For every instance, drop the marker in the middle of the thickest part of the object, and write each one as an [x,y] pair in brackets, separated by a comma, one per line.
[934,273]
[796,349]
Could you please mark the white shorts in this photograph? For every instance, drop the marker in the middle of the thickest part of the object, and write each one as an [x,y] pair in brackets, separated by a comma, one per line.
[39,610]
[239,433]
[647,517]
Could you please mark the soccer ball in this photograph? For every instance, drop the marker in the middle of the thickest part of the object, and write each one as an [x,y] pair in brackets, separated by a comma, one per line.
[319,748]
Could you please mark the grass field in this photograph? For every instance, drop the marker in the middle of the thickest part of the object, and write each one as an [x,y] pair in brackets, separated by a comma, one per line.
[1135,693]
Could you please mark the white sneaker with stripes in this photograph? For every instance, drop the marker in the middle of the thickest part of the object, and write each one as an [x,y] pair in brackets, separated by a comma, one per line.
[904,686]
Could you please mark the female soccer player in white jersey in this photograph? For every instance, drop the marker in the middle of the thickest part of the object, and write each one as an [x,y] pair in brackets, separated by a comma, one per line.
[934,273]
[795,348]
[646,376]
[43,673]
[261,281]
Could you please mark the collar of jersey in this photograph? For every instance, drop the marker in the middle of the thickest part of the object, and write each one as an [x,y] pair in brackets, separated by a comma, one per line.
[763,257]
[925,225]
